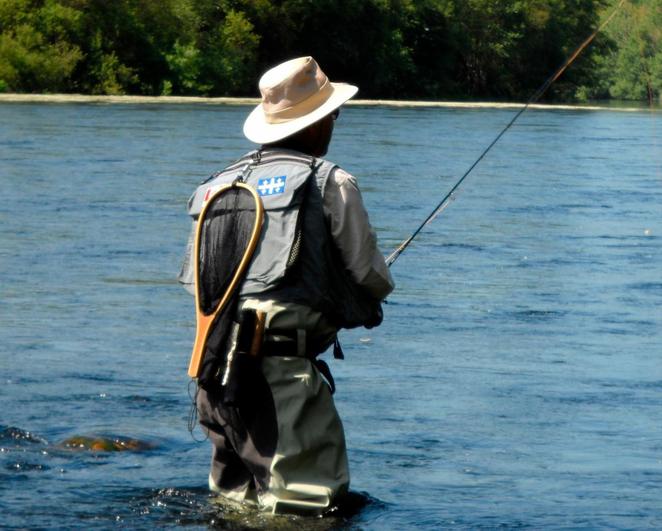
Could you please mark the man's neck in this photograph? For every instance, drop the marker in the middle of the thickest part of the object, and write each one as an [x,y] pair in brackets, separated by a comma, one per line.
[291,144]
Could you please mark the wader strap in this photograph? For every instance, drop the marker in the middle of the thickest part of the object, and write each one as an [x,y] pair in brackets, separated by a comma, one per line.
[337,350]
[301,342]
[324,370]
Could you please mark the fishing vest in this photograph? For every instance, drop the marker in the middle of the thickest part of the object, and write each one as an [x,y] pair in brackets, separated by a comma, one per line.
[296,260]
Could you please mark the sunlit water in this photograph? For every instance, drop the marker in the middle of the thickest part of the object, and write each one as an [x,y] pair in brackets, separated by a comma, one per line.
[516,381]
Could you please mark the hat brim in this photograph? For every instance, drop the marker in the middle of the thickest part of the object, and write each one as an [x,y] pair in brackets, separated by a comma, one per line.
[258,130]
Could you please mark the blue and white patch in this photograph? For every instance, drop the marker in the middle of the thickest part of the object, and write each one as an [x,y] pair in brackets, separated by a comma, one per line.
[271,185]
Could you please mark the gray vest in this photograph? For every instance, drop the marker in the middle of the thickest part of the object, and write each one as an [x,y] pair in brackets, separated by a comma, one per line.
[296,260]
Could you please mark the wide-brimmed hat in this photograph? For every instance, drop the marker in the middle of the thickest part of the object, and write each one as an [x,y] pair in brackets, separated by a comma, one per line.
[295,94]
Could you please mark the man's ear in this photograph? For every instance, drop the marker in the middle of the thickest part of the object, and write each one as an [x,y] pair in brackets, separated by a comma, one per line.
[320,135]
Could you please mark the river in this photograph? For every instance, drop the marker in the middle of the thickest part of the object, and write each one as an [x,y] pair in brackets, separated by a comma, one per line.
[516,381]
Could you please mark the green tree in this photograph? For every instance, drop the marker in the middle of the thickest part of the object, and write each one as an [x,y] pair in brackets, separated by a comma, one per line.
[35,49]
[86,45]
[634,67]
[126,43]
[508,49]
[435,51]
[390,48]
[229,58]
[359,41]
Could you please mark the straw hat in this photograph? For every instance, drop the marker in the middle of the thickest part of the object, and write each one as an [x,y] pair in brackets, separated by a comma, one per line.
[295,94]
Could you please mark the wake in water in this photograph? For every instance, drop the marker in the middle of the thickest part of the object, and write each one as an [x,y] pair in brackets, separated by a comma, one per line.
[190,507]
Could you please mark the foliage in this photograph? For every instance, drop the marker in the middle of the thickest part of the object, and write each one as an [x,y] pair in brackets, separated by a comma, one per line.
[35,50]
[391,48]
[636,61]
[230,52]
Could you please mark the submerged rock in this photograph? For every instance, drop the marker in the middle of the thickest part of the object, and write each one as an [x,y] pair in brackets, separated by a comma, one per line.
[105,444]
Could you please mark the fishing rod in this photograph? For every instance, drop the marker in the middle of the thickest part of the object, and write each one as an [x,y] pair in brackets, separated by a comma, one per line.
[536,95]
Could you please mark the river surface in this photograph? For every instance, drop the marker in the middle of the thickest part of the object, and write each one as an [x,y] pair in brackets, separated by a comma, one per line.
[516,381]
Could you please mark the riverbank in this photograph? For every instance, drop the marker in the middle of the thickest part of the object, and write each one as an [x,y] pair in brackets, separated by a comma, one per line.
[178,100]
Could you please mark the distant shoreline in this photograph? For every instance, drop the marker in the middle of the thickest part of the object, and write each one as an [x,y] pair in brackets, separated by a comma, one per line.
[178,100]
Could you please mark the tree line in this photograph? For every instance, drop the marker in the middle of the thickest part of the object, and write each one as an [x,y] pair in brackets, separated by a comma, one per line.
[405,49]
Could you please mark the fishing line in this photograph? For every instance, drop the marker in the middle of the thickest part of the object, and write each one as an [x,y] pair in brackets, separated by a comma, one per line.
[536,95]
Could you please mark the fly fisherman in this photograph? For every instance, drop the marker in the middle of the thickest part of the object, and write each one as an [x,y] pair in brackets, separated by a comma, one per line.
[283,448]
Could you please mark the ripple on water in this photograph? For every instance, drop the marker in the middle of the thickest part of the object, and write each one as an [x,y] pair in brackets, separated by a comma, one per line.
[18,436]
[481,402]
[648,287]
[25,466]
[149,508]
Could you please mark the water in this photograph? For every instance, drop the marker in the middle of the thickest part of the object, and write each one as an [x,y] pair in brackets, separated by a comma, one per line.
[516,381]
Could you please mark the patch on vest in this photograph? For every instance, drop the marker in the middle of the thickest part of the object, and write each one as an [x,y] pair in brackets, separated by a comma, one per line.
[271,185]
[210,191]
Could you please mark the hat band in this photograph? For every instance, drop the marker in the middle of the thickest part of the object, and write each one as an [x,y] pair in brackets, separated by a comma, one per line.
[302,108]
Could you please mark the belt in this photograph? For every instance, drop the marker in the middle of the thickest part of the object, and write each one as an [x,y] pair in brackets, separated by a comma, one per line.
[287,343]
[280,343]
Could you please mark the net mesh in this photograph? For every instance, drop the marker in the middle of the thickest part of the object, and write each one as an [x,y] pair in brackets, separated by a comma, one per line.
[224,237]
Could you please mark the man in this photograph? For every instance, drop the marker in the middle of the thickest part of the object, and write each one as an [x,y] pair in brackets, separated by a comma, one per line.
[282,446]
